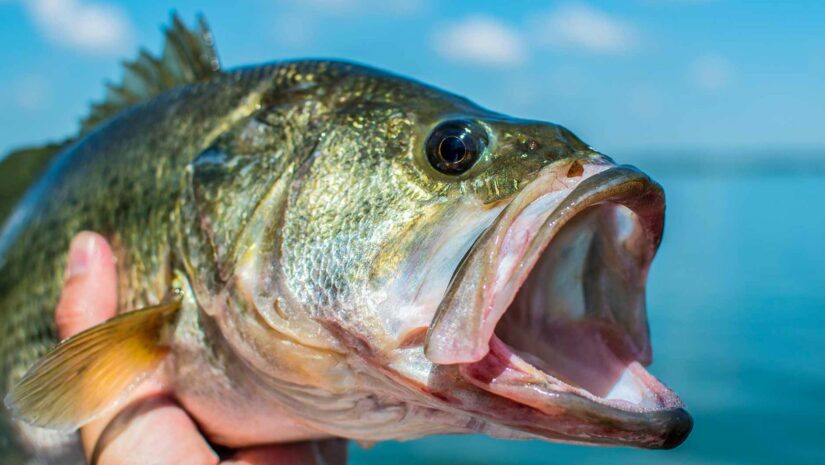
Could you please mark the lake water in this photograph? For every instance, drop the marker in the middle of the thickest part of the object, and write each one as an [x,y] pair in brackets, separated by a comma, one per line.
[736,301]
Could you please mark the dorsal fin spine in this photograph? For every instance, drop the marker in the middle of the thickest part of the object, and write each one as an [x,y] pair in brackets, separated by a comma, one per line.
[188,56]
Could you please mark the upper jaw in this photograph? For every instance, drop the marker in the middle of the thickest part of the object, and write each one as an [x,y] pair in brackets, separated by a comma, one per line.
[602,314]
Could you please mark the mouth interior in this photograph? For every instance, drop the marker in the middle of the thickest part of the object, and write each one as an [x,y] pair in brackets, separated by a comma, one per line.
[580,314]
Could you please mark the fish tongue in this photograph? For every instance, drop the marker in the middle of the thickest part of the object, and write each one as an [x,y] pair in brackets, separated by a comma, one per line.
[569,380]
[585,352]
[503,373]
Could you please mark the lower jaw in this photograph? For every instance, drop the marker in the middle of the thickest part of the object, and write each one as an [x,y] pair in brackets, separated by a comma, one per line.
[565,413]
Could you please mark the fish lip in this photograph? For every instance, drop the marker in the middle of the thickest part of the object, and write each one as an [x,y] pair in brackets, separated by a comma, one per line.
[681,424]
[583,416]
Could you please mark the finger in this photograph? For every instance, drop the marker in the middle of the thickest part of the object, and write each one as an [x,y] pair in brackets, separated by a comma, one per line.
[326,452]
[151,429]
[154,430]
[89,294]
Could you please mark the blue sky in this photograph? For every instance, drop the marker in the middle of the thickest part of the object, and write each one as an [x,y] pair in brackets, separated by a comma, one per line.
[624,75]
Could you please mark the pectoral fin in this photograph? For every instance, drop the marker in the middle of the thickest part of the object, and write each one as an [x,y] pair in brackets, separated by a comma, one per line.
[93,371]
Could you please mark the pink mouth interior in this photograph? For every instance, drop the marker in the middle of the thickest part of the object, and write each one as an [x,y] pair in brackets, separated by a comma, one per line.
[580,315]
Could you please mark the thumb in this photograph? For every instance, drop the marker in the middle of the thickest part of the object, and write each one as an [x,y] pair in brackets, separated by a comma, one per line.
[89,294]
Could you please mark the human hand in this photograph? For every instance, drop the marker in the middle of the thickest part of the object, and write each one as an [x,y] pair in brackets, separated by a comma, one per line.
[150,427]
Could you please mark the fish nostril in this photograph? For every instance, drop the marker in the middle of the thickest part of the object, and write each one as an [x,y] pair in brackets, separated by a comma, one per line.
[576,170]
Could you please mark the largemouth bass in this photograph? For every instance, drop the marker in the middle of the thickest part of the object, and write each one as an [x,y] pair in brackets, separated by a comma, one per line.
[320,248]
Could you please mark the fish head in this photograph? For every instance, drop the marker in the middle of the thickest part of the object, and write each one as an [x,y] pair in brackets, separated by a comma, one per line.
[486,267]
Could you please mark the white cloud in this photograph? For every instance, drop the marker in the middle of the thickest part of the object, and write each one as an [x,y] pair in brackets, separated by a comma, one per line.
[479,40]
[92,28]
[711,72]
[585,28]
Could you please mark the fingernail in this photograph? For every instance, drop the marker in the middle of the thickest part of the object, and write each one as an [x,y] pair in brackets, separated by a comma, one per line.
[81,252]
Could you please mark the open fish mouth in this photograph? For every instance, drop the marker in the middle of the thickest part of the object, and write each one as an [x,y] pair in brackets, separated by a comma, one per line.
[548,310]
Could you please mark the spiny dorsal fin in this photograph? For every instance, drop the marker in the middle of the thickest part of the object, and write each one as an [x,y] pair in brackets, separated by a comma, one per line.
[188,56]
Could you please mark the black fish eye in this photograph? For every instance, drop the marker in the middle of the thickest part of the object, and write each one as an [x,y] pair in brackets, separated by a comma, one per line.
[454,146]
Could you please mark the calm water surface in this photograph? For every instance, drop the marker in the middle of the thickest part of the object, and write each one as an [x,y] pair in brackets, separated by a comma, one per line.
[737,311]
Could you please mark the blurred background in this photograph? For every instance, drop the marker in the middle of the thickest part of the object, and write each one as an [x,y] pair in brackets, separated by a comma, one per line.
[723,102]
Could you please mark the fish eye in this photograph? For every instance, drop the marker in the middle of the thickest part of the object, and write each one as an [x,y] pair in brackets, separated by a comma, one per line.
[454,146]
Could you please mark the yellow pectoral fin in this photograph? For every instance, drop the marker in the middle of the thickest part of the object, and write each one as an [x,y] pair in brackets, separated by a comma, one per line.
[92,371]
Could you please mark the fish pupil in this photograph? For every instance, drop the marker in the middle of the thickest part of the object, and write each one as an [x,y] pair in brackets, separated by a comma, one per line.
[455,146]
[452,149]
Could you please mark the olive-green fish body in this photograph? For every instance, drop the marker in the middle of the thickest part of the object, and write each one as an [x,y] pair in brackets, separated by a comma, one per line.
[321,248]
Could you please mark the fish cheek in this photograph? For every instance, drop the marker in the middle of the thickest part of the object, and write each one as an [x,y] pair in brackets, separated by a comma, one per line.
[343,210]
[413,271]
